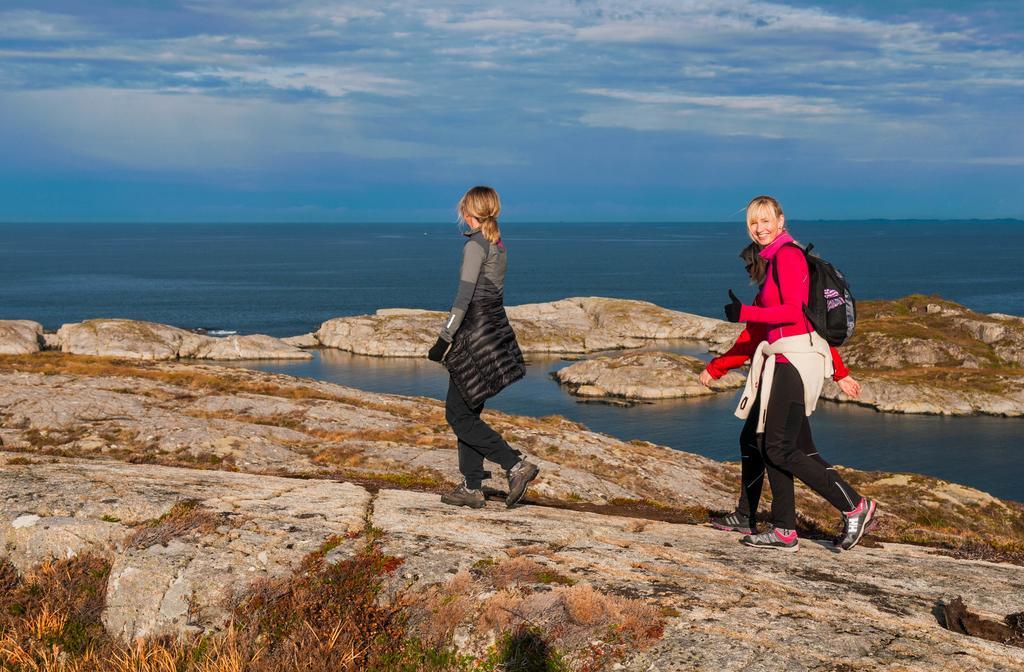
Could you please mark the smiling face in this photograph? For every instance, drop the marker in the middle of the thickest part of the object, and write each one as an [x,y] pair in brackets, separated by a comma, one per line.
[765,220]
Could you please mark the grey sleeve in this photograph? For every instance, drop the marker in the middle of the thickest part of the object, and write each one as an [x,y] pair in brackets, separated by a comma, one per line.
[473,255]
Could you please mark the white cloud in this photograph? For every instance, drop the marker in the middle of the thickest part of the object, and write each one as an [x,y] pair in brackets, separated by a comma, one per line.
[23,24]
[330,81]
[156,130]
[764,104]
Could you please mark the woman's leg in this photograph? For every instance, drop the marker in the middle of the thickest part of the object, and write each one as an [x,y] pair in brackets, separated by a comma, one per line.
[805,442]
[784,425]
[477,440]
[752,465]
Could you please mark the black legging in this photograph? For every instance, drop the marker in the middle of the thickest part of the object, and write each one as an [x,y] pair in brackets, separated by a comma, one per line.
[786,449]
[476,439]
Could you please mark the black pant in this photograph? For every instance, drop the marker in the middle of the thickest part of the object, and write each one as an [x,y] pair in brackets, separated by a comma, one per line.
[786,449]
[477,440]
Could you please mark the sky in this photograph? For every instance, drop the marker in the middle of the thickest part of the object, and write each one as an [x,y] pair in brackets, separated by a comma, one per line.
[605,110]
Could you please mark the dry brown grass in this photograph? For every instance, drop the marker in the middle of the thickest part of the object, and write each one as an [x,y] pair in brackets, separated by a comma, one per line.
[521,570]
[574,618]
[531,609]
[22,461]
[187,376]
[324,618]
[415,434]
[52,614]
[186,517]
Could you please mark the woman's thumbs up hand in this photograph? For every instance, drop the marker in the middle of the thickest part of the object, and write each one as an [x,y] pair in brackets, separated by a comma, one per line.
[732,310]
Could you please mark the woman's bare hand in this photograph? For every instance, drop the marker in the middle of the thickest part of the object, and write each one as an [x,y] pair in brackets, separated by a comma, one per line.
[849,386]
[705,378]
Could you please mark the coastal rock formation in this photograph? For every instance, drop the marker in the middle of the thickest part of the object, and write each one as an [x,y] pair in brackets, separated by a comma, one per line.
[576,325]
[386,333]
[252,346]
[20,337]
[182,542]
[817,610]
[57,406]
[927,355]
[135,339]
[642,375]
[303,341]
[594,323]
[154,413]
[913,355]
[918,332]
[921,396]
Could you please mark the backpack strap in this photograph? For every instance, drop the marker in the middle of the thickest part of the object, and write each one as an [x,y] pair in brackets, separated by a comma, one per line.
[775,271]
[778,284]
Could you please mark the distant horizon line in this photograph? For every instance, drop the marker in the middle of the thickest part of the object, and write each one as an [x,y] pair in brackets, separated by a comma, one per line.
[1019,220]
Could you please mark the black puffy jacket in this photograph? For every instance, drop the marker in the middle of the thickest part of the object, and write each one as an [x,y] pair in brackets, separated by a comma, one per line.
[484,358]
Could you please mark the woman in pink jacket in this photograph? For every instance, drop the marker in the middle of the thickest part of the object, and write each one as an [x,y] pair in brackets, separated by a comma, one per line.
[788,367]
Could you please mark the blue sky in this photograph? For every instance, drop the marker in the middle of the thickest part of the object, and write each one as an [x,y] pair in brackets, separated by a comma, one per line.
[304,110]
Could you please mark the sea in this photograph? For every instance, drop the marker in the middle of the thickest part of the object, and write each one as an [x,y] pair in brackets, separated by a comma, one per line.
[285,280]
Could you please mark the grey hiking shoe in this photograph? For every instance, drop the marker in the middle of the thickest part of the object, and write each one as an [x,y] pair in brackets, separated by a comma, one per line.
[856,524]
[463,496]
[519,477]
[734,522]
[773,538]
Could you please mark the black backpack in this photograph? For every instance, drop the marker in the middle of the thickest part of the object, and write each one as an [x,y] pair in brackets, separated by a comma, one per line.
[831,308]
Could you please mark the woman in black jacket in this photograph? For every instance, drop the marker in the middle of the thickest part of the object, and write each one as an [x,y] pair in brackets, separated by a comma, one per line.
[479,349]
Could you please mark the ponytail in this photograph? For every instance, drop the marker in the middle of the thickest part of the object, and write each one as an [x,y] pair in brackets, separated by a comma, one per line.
[483,205]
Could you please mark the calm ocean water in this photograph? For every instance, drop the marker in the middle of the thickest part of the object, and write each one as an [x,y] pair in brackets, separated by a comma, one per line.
[285,280]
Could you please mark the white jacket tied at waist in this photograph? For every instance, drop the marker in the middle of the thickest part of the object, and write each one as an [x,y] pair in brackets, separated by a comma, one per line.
[812,359]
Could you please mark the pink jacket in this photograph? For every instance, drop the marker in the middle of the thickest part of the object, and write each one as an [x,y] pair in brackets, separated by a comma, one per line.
[781,311]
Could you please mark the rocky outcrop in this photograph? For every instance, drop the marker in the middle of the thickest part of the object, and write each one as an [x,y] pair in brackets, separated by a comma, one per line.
[922,396]
[926,355]
[180,572]
[386,333]
[642,375]
[303,341]
[20,337]
[818,609]
[134,339]
[914,355]
[252,346]
[594,323]
[695,591]
[576,325]
[55,406]
[309,428]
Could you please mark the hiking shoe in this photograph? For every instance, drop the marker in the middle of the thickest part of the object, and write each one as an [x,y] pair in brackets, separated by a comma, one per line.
[856,523]
[519,477]
[463,496]
[734,522]
[773,538]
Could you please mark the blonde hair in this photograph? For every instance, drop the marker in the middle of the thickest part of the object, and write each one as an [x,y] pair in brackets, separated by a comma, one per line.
[483,205]
[761,205]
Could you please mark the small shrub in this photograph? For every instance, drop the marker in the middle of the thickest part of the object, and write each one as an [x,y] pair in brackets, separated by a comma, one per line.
[185,517]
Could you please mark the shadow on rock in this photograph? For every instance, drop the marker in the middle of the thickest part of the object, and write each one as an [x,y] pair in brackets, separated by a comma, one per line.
[955,616]
[524,650]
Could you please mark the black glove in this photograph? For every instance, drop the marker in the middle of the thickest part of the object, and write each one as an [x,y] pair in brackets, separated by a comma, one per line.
[732,310]
[439,350]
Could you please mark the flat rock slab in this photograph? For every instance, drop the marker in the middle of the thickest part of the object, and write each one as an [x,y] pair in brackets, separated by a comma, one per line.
[20,337]
[576,325]
[136,339]
[643,375]
[735,608]
[362,432]
[893,396]
[257,526]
